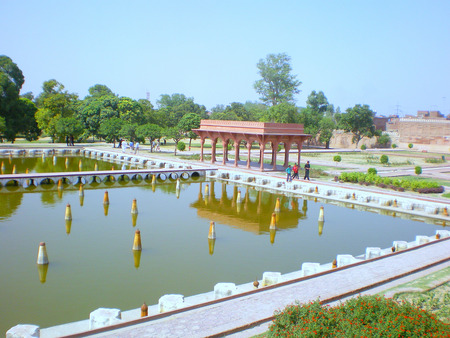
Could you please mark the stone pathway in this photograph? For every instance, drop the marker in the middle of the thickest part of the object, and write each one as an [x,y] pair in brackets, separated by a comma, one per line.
[222,318]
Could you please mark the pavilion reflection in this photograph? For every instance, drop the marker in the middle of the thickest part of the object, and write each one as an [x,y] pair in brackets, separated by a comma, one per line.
[251,211]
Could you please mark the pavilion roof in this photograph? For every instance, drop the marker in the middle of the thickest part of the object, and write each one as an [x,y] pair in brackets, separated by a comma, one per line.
[250,127]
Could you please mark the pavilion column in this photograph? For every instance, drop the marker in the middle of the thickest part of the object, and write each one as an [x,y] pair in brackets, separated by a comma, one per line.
[202,143]
[272,145]
[262,147]
[299,146]
[225,151]
[287,148]
[274,155]
[213,150]
[249,149]
[236,151]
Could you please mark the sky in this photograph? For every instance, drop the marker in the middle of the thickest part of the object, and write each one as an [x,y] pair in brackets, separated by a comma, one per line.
[391,55]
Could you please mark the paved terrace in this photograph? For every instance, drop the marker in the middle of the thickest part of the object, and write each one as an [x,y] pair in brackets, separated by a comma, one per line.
[237,314]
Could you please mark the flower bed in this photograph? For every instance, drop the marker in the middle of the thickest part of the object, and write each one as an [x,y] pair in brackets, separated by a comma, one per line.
[367,316]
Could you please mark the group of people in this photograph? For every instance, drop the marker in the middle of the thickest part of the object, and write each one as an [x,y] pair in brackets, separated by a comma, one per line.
[125,145]
[70,140]
[292,172]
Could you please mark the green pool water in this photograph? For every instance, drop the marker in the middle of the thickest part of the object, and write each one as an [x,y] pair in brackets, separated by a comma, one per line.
[92,264]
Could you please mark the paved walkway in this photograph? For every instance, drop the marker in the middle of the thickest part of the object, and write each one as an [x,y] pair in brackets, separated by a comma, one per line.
[223,318]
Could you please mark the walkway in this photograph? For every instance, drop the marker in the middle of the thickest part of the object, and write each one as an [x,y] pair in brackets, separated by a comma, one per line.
[253,308]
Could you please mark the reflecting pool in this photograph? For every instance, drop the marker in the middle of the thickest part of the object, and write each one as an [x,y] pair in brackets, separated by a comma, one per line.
[59,163]
[92,264]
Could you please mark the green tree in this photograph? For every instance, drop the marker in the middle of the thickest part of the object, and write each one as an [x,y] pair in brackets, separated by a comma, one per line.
[99,90]
[187,123]
[17,112]
[130,110]
[110,130]
[173,107]
[326,127]
[150,131]
[26,122]
[68,126]
[277,84]
[358,121]
[53,104]
[282,113]
[256,110]
[239,111]
[176,134]
[97,108]
[317,106]
[2,125]
[384,140]
[384,159]
[128,131]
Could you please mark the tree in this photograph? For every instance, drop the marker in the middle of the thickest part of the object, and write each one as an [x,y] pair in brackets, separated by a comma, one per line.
[176,134]
[110,130]
[150,131]
[173,107]
[384,159]
[25,121]
[54,103]
[17,112]
[99,90]
[97,108]
[337,158]
[282,113]
[68,126]
[358,121]
[317,106]
[384,140]
[187,123]
[277,84]
[130,110]
[128,131]
[326,127]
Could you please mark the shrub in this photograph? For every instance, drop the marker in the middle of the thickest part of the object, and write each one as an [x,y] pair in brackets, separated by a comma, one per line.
[384,159]
[181,146]
[363,147]
[384,140]
[393,146]
[418,170]
[337,158]
[435,160]
[431,190]
[366,316]
[410,146]
[372,171]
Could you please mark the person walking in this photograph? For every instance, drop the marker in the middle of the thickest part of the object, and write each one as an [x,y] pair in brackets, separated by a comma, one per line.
[288,173]
[136,148]
[307,167]
[295,170]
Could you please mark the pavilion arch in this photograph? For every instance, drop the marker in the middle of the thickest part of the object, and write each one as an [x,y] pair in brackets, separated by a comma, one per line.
[260,132]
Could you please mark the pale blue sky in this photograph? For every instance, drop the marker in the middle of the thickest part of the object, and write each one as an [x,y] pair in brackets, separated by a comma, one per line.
[387,54]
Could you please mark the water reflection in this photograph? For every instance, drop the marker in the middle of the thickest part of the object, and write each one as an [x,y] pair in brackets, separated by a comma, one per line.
[252,213]
[58,164]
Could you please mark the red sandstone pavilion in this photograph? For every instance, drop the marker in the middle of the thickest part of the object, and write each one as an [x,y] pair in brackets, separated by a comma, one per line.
[261,132]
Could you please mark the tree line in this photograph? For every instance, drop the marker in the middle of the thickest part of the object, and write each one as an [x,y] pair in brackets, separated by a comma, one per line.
[105,115]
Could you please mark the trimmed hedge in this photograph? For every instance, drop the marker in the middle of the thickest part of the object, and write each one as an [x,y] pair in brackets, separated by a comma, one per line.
[424,187]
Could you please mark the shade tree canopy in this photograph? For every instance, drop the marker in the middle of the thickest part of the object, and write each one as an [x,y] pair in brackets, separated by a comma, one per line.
[17,113]
[277,83]
[358,121]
